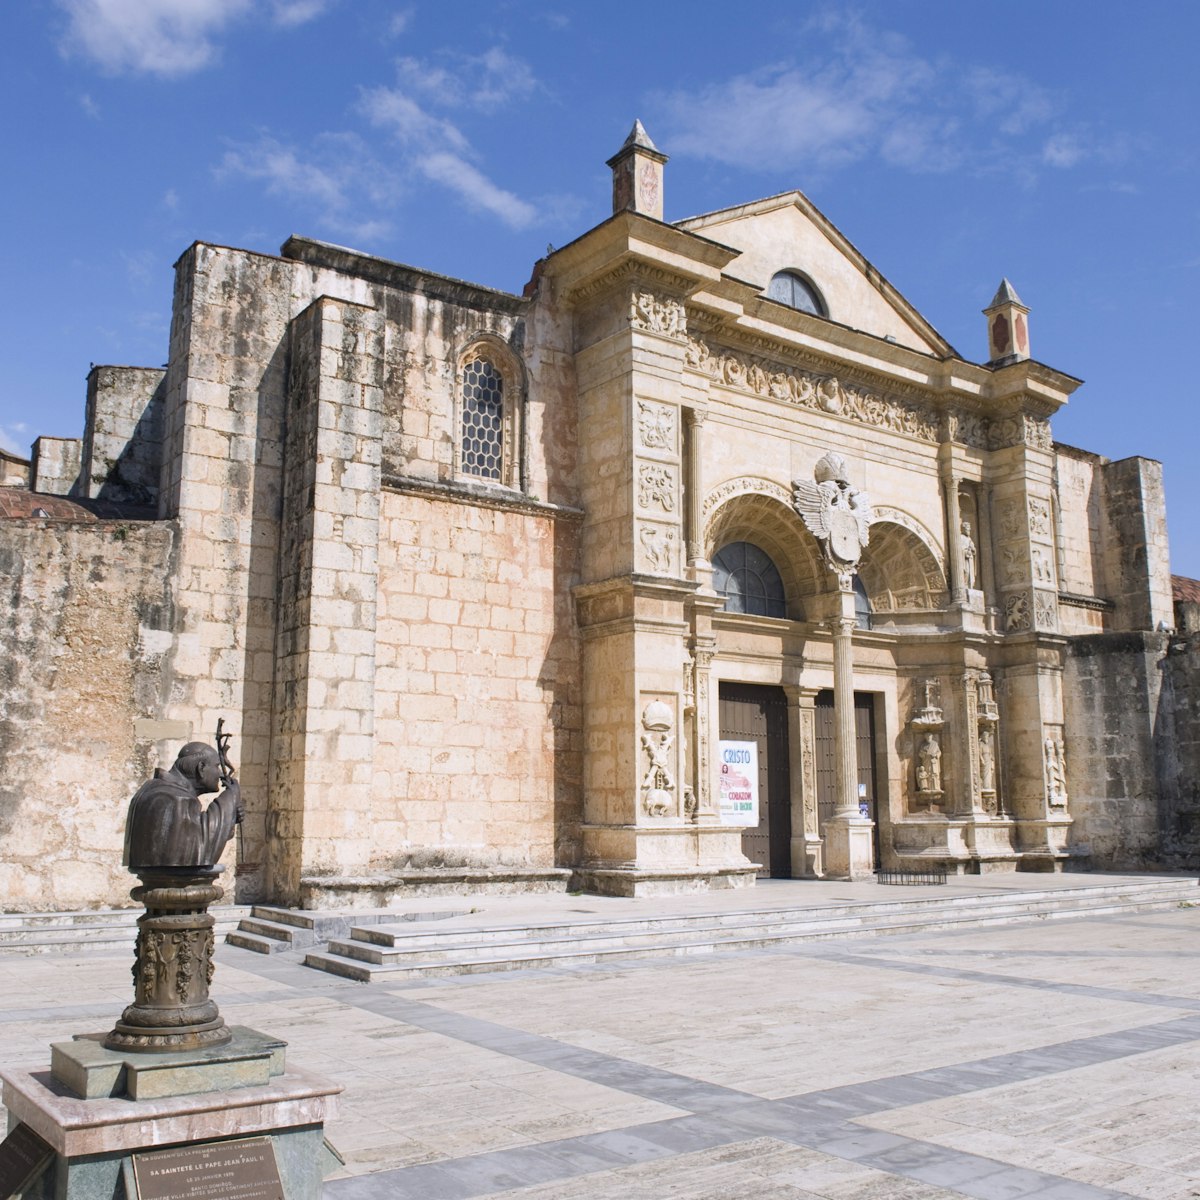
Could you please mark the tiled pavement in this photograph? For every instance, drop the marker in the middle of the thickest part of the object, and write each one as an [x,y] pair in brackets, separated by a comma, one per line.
[1050,1060]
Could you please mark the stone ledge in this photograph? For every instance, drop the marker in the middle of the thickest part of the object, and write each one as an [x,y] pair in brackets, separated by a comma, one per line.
[662,881]
[378,891]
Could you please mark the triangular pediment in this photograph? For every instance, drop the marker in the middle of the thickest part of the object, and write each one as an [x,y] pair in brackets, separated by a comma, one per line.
[789,233]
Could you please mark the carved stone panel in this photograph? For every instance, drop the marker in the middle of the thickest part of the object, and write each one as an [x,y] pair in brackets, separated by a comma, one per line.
[1017,615]
[657,426]
[657,314]
[658,746]
[657,549]
[657,488]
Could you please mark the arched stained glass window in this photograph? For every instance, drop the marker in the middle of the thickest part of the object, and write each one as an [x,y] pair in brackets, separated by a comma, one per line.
[792,289]
[749,580]
[483,420]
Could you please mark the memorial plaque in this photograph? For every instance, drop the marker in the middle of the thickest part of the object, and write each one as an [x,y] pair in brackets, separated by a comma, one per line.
[23,1157]
[241,1170]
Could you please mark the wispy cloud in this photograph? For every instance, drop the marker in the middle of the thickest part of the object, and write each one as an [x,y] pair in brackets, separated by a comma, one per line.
[167,38]
[433,143]
[338,177]
[857,93]
[89,106]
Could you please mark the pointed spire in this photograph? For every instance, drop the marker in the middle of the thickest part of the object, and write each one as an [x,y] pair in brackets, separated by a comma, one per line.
[1008,326]
[638,175]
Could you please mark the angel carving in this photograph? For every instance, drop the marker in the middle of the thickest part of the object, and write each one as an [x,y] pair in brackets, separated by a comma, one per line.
[837,514]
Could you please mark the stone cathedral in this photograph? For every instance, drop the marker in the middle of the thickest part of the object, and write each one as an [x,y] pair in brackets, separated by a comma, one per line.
[703,559]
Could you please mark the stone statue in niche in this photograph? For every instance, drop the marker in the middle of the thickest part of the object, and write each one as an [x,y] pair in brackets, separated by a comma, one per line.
[968,555]
[929,765]
[658,784]
[987,761]
[1056,770]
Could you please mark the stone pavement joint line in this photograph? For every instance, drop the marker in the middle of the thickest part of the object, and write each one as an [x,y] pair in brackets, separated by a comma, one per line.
[721,1116]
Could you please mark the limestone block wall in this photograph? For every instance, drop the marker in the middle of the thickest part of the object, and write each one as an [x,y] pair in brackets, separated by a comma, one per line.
[1177,739]
[1113,700]
[122,443]
[54,470]
[477,684]
[1079,499]
[84,637]
[1137,561]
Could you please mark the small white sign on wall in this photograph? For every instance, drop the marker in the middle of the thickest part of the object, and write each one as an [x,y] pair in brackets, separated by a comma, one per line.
[738,789]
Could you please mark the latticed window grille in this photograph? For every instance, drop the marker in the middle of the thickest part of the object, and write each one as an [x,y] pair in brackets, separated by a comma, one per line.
[483,420]
[749,580]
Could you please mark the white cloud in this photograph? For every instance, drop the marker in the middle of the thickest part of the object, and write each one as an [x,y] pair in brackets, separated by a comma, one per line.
[434,144]
[167,38]
[89,106]
[477,190]
[337,177]
[399,22]
[857,93]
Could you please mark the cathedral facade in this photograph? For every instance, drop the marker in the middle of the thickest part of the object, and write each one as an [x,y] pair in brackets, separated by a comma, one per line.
[704,559]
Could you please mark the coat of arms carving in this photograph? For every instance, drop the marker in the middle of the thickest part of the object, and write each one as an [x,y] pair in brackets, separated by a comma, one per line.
[837,514]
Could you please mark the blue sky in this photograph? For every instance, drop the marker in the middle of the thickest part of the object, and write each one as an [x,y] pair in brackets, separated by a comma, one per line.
[954,143]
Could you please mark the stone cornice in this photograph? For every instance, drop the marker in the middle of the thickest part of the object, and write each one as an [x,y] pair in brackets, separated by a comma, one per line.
[481,495]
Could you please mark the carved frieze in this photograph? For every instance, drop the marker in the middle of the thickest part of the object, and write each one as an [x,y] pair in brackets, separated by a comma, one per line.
[1020,429]
[746,485]
[656,487]
[656,314]
[656,426]
[1039,518]
[822,393]
[1045,607]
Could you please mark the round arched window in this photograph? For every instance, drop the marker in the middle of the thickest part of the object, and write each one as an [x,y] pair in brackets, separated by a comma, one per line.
[792,289]
[749,580]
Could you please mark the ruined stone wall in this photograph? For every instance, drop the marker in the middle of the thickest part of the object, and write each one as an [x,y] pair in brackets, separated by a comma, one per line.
[1112,697]
[477,686]
[83,667]
[122,443]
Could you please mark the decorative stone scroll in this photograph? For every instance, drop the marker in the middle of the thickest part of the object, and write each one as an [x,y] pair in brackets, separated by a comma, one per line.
[658,740]
[1016,612]
[822,393]
[654,314]
[656,487]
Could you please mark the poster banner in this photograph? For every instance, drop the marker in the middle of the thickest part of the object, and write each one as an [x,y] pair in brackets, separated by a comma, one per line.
[739,783]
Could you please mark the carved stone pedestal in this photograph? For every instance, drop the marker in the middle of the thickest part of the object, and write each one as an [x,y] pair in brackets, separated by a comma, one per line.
[849,851]
[173,965]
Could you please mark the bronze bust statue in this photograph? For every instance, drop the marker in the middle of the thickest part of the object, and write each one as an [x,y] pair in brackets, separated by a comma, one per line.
[166,826]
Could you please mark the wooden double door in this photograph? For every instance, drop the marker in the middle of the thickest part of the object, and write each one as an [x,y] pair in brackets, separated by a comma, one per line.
[752,713]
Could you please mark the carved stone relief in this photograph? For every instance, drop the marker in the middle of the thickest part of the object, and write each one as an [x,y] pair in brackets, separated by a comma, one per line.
[1011,522]
[1039,518]
[927,724]
[656,487]
[1016,612]
[1046,610]
[656,425]
[655,314]
[659,549]
[821,393]
[1043,569]
[987,718]
[746,485]
[1021,429]
[658,740]
[1012,563]
[808,769]
[1054,754]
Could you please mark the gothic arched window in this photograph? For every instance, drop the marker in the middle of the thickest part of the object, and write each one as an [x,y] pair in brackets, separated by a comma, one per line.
[482,420]
[749,580]
[791,288]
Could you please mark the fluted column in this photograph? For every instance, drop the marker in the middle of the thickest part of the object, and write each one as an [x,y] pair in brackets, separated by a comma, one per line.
[843,711]
[693,420]
[953,535]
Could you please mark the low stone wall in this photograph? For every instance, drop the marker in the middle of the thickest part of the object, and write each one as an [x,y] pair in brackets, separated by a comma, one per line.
[83,644]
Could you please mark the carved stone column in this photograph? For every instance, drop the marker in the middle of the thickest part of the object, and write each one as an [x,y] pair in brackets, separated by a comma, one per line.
[807,847]
[848,850]
[693,423]
[953,534]
[173,967]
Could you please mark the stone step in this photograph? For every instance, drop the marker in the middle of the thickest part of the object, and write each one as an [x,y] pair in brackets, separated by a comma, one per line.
[100,930]
[364,961]
[390,937]
[273,930]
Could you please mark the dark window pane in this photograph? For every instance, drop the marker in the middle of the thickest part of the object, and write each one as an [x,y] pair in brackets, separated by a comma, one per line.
[748,579]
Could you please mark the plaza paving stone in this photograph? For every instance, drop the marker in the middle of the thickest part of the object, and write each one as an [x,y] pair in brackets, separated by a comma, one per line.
[1050,1059]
